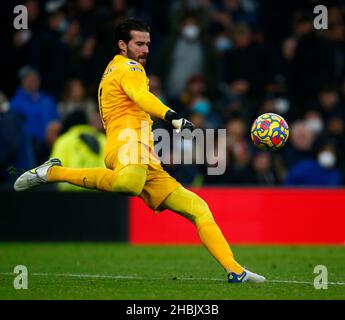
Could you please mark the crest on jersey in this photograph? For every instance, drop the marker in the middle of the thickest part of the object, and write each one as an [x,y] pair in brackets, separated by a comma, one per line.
[132,63]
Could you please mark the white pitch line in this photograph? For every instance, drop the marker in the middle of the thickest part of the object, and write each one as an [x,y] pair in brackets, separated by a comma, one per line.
[92,276]
[305,282]
[100,276]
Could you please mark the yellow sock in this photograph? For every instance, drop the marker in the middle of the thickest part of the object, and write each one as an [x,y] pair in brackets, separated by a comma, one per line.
[195,209]
[91,178]
[213,239]
[130,180]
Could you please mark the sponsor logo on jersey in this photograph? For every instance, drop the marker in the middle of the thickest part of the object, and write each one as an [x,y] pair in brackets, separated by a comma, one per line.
[132,63]
[135,69]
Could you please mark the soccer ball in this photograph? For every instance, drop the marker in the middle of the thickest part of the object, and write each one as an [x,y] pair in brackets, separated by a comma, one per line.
[269,132]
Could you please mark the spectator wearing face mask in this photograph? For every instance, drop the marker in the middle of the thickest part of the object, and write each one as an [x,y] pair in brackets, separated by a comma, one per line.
[194,101]
[322,171]
[314,122]
[222,39]
[222,42]
[188,52]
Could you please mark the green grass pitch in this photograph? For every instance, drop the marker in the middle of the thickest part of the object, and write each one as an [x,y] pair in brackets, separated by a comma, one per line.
[121,271]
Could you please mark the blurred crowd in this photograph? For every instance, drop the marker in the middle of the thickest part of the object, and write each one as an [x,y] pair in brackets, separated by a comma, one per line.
[220,63]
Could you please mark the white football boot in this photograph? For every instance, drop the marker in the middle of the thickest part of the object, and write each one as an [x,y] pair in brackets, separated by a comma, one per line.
[245,276]
[36,176]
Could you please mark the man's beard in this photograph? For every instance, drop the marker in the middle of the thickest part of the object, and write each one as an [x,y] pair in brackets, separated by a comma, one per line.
[141,59]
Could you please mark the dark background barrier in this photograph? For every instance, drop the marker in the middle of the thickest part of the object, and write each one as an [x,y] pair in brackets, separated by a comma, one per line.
[53,216]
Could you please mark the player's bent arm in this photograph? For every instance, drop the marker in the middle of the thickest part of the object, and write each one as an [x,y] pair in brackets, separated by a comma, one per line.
[134,85]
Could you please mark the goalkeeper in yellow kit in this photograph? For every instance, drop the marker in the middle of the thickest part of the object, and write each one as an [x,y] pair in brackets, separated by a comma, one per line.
[133,168]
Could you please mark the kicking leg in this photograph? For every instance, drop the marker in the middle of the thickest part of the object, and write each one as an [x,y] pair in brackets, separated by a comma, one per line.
[129,180]
[195,209]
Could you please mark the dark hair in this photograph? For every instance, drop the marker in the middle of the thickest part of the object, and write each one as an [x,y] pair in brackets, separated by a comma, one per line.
[122,31]
[76,117]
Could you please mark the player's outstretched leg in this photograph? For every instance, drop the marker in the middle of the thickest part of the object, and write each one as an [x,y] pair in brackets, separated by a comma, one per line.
[195,209]
[129,180]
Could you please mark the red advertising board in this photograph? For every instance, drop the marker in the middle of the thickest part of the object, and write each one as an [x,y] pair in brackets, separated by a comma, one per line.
[250,216]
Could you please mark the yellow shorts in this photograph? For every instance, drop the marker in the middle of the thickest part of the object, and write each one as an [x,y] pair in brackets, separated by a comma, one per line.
[159,184]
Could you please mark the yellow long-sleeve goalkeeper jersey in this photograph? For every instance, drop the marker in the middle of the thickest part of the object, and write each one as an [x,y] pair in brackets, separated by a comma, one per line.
[125,102]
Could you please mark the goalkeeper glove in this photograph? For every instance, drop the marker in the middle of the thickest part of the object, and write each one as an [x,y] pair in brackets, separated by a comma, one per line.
[177,122]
